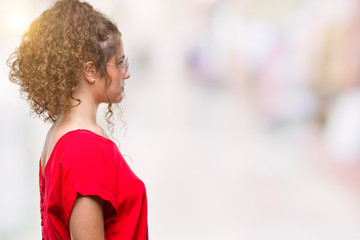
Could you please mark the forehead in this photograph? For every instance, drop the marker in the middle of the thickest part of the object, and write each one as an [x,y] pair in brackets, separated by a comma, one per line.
[120,49]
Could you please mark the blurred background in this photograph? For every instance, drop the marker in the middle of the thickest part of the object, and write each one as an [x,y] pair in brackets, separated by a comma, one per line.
[243,118]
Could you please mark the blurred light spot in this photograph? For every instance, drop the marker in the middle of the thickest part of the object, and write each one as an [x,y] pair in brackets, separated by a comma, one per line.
[16,21]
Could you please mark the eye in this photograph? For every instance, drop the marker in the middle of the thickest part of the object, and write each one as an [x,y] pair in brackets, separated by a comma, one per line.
[121,60]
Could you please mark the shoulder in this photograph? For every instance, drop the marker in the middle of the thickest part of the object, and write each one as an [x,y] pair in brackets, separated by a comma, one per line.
[83,138]
[71,139]
[83,151]
[73,129]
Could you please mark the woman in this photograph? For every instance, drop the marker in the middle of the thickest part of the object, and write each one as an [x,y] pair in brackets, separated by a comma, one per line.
[69,61]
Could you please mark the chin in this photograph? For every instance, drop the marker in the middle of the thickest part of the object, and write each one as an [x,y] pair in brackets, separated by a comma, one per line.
[118,99]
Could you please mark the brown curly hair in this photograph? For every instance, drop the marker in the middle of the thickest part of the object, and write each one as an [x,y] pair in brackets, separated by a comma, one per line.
[48,63]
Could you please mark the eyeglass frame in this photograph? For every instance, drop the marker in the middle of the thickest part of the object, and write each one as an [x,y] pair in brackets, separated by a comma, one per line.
[123,60]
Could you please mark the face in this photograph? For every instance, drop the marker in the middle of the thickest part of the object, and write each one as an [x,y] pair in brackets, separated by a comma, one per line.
[117,71]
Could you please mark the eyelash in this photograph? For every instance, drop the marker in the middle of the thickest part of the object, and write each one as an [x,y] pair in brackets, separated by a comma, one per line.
[121,61]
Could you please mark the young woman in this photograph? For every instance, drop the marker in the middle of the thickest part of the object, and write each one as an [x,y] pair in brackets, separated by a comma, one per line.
[70,60]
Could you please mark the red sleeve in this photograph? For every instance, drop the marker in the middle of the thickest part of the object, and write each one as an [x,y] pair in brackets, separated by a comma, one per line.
[85,167]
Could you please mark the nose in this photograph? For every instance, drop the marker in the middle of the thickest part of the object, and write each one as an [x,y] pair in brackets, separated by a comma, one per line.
[127,74]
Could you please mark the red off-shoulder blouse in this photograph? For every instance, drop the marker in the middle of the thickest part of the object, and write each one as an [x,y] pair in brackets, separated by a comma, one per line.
[86,163]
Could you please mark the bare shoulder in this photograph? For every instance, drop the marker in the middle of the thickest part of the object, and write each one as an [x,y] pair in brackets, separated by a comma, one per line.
[61,130]
[100,131]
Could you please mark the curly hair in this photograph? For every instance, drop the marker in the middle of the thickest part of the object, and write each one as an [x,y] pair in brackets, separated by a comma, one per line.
[48,63]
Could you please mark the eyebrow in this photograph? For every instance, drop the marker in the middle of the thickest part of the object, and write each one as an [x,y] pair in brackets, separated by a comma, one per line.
[121,58]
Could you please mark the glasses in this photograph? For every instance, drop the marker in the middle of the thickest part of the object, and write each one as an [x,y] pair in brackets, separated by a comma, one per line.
[123,63]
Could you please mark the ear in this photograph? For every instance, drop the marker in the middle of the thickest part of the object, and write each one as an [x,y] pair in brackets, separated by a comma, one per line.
[89,71]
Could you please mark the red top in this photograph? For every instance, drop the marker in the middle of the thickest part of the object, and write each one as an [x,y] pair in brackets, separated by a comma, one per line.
[86,163]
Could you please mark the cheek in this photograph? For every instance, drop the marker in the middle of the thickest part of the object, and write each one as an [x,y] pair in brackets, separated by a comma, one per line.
[117,77]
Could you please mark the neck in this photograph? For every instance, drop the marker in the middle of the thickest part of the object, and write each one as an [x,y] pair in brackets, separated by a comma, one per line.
[83,115]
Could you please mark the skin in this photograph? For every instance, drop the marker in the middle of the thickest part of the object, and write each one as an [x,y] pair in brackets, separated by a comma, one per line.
[87,220]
